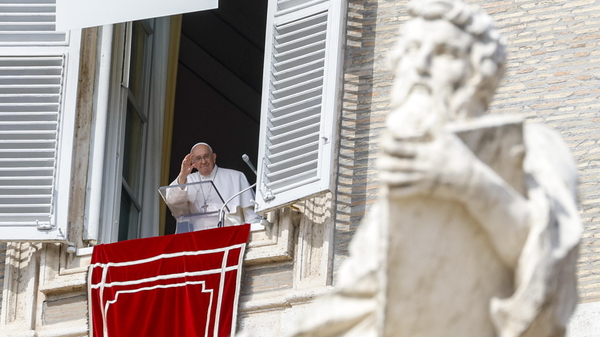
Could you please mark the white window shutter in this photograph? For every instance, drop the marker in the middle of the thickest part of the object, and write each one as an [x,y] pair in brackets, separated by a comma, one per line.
[300,101]
[38,86]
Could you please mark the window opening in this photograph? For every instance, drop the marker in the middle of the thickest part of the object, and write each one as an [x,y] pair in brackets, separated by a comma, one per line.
[219,83]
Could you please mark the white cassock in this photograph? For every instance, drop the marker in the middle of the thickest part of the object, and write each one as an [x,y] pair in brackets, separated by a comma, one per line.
[203,198]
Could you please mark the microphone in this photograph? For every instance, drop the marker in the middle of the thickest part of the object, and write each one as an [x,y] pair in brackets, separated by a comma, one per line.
[222,211]
[248,162]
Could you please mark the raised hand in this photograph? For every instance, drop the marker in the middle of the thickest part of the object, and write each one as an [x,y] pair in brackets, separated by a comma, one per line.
[186,169]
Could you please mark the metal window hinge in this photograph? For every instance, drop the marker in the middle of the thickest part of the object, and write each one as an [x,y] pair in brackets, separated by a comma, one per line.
[269,195]
[43,225]
[71,249]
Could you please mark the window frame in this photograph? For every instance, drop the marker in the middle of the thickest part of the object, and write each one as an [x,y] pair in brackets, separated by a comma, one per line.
[113,163]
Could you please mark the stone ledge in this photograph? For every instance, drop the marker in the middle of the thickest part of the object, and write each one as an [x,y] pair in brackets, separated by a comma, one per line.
[282,299]
[68,329]
[18,333]
[65,283]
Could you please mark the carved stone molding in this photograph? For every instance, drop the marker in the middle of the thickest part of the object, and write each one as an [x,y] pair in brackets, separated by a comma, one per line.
[276,241]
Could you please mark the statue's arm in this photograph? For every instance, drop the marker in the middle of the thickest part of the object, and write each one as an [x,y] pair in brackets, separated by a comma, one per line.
[442,166]
[502,212]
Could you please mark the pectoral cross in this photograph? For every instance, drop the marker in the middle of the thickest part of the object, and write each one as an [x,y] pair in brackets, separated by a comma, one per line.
[204,208]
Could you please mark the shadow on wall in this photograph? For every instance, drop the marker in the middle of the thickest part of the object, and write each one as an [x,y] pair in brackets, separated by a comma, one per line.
[2,263]
[356,185]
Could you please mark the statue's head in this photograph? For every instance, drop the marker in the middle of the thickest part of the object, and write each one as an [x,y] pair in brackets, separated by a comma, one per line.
[451,52]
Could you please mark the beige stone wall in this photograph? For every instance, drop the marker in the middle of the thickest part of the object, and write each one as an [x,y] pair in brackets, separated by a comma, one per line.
[371,30]
[552,77]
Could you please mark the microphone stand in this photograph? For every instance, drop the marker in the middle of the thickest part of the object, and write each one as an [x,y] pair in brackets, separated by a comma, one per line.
[222,211]
[246,159]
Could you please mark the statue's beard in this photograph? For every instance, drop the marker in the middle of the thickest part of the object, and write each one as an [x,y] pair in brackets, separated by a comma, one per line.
[417,109]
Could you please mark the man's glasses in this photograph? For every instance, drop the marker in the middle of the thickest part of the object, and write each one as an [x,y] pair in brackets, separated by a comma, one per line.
[198,159]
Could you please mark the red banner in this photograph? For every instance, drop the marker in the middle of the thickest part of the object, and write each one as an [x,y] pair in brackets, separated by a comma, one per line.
[175,285]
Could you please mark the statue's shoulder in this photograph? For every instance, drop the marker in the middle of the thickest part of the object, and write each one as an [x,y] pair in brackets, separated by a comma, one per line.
[548,156]
[533,129]
[541,138]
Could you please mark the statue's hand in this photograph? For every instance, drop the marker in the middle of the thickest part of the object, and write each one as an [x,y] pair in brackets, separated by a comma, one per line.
[437,165]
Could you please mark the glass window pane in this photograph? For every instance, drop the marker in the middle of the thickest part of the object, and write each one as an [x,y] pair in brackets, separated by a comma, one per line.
[139,40]
[128,218]
[132,150]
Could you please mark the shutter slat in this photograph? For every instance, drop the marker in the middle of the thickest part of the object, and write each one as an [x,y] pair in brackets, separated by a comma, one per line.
[284,79]
[20,151]
[23,189]
[26,178]
[27,80]
[8,206]
[23,146]
[27,159]
[319,36]
[293,181]
[296,105]
[299,86]
[15,37]
[27,7]
[21,168]
[311,93]
[25,98]
[5,142]
[304,27]
[287,6]
[31,89]
[10,219]
[295,119]
[28,132]
[15,115]
[285,152]
[289,73]
[296,124]
[293,134]
[21,196]
[27,16]
[290,62]
[21,69]
[26,26]
[294,170]
[290,161]
[275,120]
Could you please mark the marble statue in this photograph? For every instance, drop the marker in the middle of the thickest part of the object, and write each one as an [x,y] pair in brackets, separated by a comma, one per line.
[476,229]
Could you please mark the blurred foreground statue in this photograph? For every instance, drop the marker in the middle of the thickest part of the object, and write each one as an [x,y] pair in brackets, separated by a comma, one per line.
[476,231]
